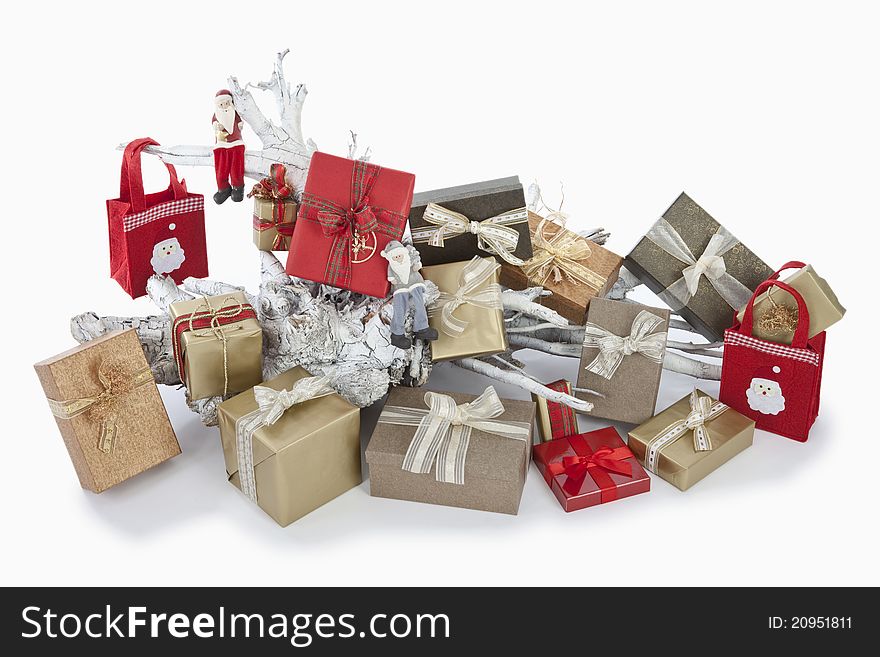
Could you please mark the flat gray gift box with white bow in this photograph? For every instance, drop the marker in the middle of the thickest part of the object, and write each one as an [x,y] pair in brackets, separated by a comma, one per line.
[493,469]
[478,202]
[697,267]
[622,359]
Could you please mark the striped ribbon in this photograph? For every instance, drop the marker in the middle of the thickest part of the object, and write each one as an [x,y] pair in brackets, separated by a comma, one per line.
[559,255]
[494,234]
[475,274]
[614,348]
[443,431]
[703,410]
[271,405]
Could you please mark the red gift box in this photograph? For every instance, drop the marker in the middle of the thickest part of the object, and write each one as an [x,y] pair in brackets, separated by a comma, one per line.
[349,212]
[590,468]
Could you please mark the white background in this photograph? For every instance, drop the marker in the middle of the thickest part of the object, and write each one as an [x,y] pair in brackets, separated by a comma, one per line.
[765,113]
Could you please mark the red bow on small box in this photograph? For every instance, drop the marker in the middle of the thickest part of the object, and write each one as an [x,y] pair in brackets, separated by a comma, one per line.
[274,187]
[596,463]
[351,228]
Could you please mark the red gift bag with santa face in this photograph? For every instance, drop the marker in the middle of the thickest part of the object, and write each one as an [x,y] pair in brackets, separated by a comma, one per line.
[159,233]
[774,384]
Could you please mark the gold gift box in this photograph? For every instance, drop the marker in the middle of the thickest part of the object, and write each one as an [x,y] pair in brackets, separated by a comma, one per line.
[485,333]
[265,212]
[201,350]
[570,299]
[821,301]
[141,436]
[679,463]
[310,456]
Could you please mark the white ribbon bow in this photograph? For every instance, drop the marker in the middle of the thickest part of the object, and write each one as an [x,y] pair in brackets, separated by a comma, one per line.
[473,276]
[443,431]
[703,410]
[271,405]
[614,348]
[494,234]
[710,264]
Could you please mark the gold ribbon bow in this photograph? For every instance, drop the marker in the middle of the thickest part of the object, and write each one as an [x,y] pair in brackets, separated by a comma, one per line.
[703,410]
[558,255]
[104,408]
[614,348]
[494,234]
[443,431]
[475,273]
[271,405]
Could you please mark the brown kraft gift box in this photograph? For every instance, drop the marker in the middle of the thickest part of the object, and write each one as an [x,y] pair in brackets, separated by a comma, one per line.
[477,202]
[706,311]
[200,352]
[485,333]
[680,463]
[118,436]
[631,393]
[570,298]
[266,220]
[494,472]
[305,459]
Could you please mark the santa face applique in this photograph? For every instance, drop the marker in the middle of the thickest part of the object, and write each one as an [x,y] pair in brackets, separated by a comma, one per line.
[765,393]
[168,256]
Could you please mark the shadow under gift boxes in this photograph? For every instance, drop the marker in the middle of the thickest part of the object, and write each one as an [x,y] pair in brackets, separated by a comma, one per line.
[415,454]
[468,315]
[478,219]
[350,210]
[218,345]
[306,458]
[696,267]
[108,409]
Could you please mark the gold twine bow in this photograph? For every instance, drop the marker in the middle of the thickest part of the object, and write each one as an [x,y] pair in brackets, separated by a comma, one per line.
[559,254]
[216,329]
[494,234]
[704,409]
[104,408]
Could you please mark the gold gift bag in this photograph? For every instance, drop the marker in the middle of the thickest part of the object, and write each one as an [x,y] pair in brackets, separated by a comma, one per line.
[667,445]
[468,315]
[291,444]
[218,345]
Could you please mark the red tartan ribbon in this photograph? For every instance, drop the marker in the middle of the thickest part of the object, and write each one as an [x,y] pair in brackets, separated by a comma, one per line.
[597,464]
[209,319]
[346,226]
[562,418]
[274,187]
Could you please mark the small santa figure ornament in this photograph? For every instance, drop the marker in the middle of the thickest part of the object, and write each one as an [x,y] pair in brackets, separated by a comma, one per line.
[228,148]
[765,391]
[407,288]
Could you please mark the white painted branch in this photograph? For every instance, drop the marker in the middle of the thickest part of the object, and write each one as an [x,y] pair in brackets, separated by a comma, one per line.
[163,291]
[521,381]
[676,362]
[517,302]
[519,341]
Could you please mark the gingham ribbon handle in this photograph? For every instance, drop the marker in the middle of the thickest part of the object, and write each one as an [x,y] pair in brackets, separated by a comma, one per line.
[559,254]
[703,411]
[475,273]
[443,431]
[271,405]
[710,264]
[614,348]
[494,235]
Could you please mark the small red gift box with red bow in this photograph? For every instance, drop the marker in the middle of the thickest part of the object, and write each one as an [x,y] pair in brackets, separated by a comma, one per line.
[350,210]
[590,468]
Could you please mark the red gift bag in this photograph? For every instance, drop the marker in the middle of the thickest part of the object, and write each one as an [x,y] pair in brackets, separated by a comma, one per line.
[776,385]
[160,233]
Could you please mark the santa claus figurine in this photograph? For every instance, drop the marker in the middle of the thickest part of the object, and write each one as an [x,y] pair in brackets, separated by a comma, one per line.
[407,288]
[228,149]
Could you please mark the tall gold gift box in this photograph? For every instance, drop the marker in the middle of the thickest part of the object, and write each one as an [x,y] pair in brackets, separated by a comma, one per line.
[307,458]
